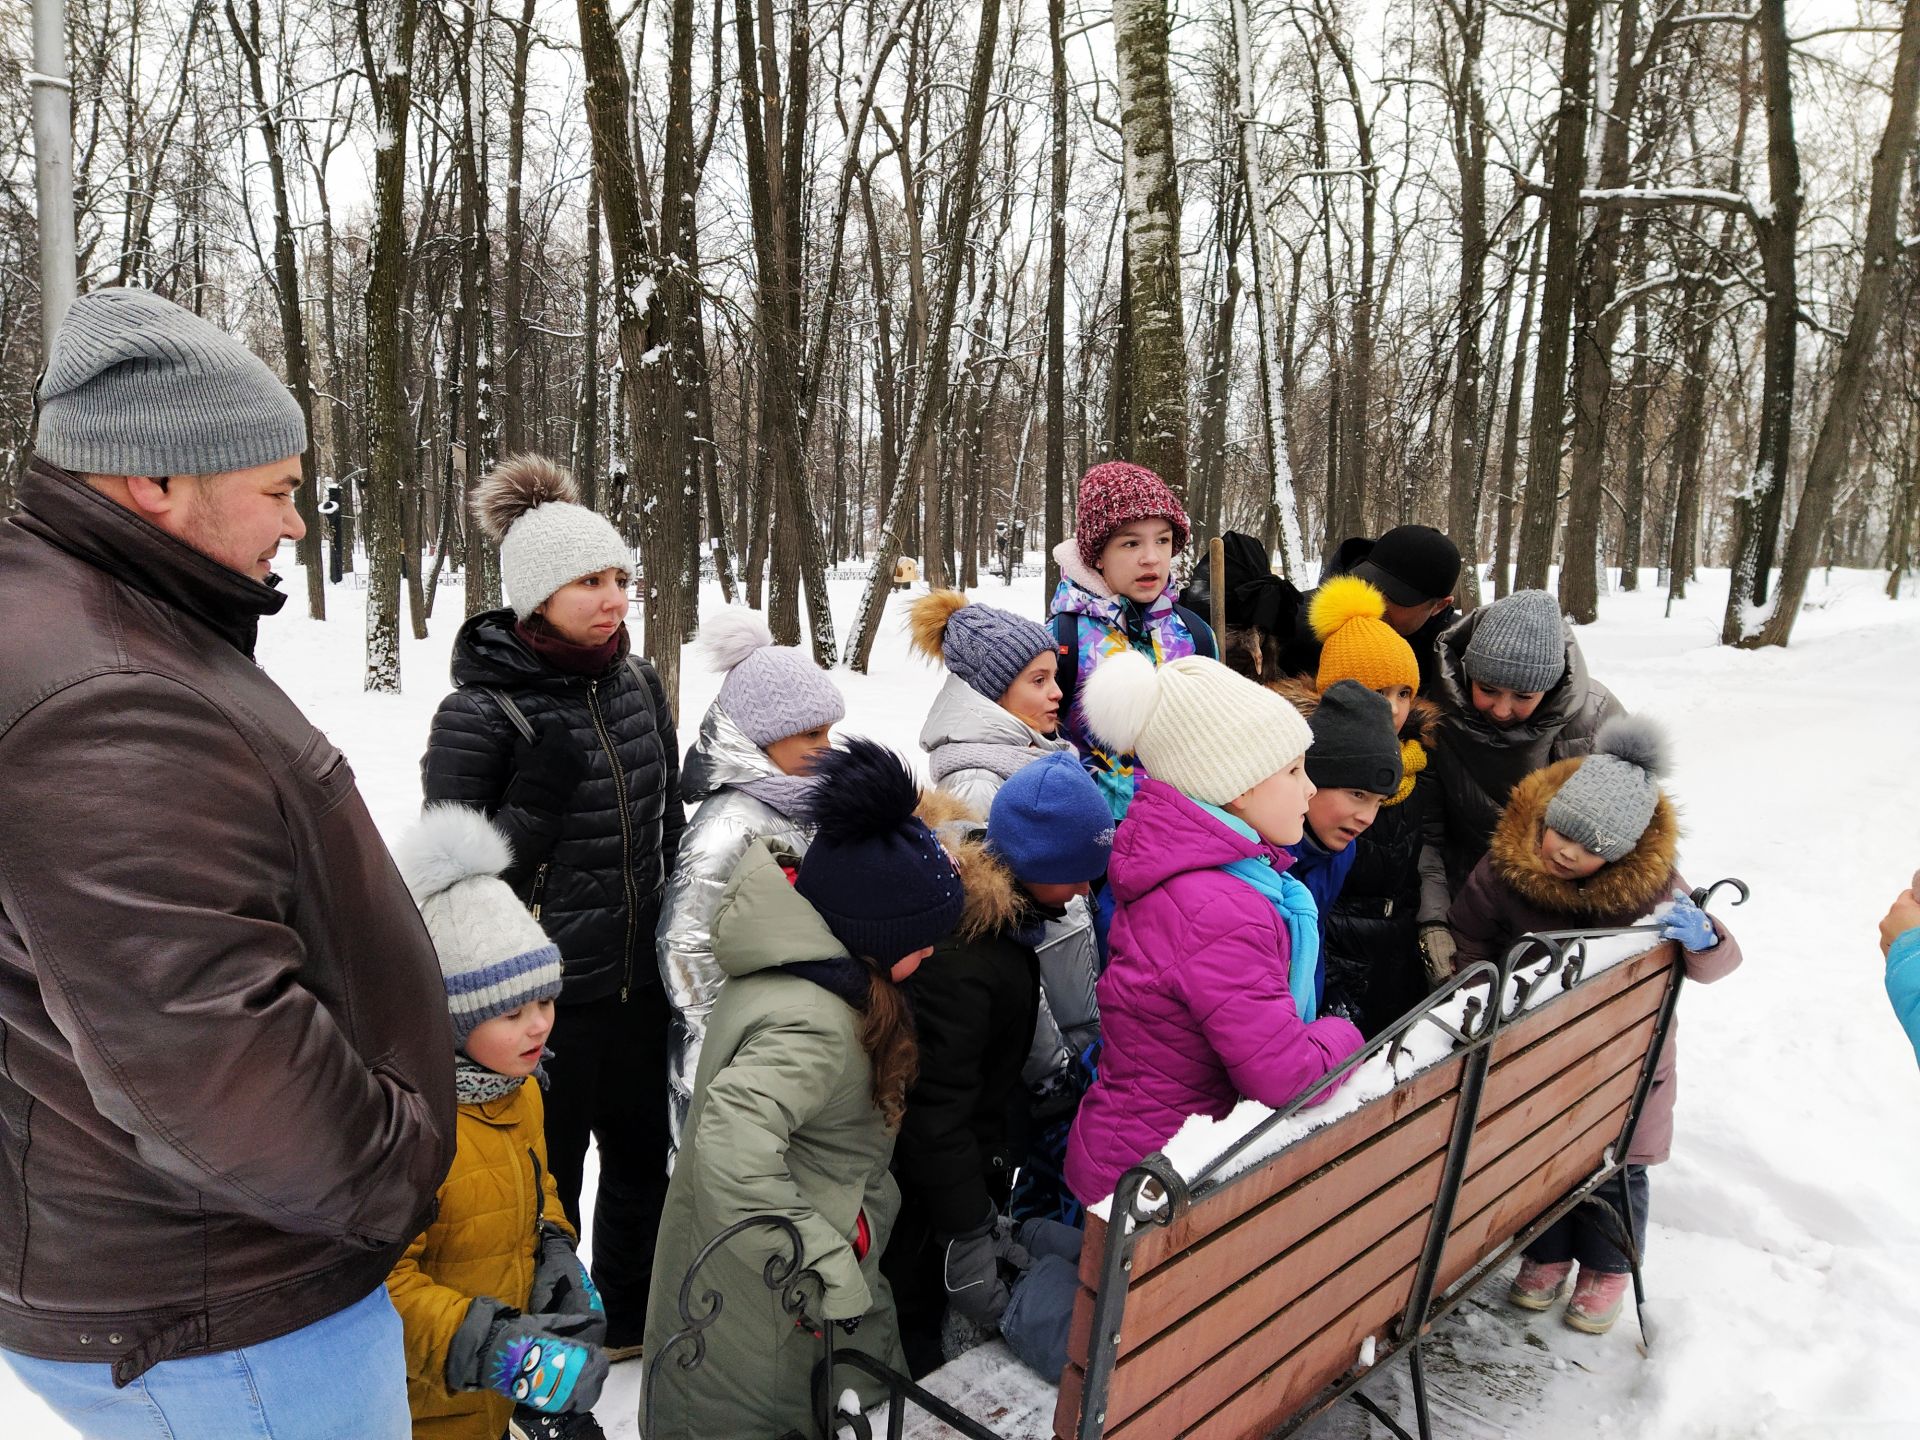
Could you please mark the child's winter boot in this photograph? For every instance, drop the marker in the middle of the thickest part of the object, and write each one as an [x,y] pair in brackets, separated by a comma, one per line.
[1596,1301]
[1538,1285]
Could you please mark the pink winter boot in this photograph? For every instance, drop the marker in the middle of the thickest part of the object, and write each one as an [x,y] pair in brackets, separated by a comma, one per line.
[1537,1286]
[1596,1301]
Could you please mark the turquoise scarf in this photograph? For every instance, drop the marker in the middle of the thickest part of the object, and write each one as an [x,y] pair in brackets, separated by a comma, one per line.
[1297,912]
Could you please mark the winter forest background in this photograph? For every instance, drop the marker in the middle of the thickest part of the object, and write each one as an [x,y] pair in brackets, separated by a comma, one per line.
[800,286]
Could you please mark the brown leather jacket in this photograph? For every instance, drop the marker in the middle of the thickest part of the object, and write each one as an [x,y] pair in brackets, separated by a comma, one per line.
[226,1089]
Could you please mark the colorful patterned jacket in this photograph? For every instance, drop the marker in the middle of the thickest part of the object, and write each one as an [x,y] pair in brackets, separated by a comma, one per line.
[1106,624]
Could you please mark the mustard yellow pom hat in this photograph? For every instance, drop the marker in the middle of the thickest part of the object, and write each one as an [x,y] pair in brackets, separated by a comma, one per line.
[1355,642]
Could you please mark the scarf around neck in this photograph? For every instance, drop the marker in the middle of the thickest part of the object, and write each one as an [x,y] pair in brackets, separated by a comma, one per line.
[785,793]
[1294,903]
[475,1084]
[567,657]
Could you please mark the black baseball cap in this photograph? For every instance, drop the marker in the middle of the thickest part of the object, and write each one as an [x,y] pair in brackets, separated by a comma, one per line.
[1411,564]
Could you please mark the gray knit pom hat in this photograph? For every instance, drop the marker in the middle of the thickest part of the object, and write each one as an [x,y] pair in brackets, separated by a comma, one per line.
[135,385]
[1607,803]
[529,508]
[771,691]
[1519,643]
[985,646]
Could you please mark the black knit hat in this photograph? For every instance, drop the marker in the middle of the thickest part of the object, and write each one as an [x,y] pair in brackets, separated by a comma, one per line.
[875,873]
[1354,743]
[1411,564]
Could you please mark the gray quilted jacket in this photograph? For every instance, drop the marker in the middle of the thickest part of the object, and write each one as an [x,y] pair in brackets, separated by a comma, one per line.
[718,833]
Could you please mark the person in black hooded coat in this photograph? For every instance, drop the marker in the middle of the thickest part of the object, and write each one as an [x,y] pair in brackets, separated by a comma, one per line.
[565,739]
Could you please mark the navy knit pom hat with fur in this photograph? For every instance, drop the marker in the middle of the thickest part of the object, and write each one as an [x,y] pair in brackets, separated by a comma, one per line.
[874,871]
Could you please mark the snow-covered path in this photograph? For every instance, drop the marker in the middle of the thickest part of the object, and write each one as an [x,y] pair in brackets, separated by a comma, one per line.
[1784,1258]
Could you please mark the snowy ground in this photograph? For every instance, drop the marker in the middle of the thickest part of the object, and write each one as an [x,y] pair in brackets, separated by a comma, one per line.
[1785,1244]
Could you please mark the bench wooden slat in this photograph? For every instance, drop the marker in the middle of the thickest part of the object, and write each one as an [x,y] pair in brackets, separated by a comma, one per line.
[1279,1228]
[1258,1297]
[1312,1151]
[1252,1327]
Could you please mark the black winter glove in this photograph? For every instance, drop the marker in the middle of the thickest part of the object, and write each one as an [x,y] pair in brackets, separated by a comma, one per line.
[547,1363]
[561,1284]
[972,1268]
[532,1425]
[546,771]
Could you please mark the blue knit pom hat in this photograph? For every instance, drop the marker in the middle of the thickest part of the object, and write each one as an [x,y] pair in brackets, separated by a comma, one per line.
[876,873]
[1050,823]
[985,646]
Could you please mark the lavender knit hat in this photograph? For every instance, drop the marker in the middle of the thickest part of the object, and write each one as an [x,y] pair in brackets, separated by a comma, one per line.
[986,647]
[771,691]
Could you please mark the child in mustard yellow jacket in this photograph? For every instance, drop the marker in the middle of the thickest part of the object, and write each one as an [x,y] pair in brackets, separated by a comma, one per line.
[502,1322]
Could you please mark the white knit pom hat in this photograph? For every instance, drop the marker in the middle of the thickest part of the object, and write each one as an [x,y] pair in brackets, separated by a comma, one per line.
[1210,733]
[530,509]
[494,956]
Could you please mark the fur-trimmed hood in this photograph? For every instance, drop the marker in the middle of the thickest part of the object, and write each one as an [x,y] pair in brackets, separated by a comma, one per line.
[1628,887]
[994,898]
[1417,735]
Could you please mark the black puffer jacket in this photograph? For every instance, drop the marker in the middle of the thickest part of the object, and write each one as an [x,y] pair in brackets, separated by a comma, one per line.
[595,877]
[1373,930]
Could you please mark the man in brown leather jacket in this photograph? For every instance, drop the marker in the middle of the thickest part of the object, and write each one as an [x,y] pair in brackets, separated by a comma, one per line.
[226,1089]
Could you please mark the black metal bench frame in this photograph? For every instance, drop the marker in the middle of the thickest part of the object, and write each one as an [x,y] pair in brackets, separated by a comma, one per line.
[1152,1194]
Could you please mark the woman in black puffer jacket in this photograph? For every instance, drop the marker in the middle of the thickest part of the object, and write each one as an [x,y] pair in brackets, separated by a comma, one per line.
[564,737]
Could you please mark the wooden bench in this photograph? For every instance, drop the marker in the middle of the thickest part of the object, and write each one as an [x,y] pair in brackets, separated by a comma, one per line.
[1242,1306]
[1228,1304]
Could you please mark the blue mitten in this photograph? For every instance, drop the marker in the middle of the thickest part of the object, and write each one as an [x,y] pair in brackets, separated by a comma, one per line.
[544,1362]
[1688,923]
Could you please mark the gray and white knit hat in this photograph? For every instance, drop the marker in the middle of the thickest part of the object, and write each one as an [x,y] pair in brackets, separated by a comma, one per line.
[1607,803]
[771,691]
[135,385]
[1519,643]
[493,955]
[1210,733]
[529,508]
[984,646]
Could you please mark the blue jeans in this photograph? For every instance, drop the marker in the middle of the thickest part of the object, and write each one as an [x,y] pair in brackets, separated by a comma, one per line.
[341,1378]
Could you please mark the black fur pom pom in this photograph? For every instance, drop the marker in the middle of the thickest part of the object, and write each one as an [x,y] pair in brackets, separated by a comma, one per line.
[862,791]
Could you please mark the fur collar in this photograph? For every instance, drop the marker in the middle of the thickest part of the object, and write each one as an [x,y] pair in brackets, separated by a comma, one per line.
[994,899]
[1621,892]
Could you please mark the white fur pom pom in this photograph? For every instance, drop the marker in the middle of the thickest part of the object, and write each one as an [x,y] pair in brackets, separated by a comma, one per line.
[1637,739]
[448,844]
[1120,697]
[728,636]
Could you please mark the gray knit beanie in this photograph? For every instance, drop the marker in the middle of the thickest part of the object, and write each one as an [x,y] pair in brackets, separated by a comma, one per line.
[1355,746]
[984,646]
[529,508]
[137,386]
[771,691]
[1605,804]
[1519,643]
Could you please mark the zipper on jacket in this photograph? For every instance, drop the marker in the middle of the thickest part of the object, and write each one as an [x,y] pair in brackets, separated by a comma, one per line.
[539,1204]
[539,888]
[626,833]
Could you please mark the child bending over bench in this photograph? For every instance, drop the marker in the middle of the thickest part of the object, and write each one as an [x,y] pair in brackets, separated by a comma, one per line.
[1589,843]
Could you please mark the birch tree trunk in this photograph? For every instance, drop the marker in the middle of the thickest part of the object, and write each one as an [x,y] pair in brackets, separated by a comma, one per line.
[1157,429]
[1056,481]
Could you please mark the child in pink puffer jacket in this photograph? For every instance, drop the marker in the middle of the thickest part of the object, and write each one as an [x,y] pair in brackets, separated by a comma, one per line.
[1210,991]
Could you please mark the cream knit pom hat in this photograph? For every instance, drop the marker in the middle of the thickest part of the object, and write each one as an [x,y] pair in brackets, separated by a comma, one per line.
[1211,734]
[531,510]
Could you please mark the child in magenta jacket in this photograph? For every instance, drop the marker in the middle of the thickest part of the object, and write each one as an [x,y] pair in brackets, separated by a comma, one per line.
[1211,987]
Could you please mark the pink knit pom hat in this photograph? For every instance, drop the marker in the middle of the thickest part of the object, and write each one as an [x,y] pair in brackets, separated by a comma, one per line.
[1118,493]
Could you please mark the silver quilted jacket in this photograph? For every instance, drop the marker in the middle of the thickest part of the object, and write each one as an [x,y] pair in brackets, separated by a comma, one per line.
[962,716]
[718,833]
